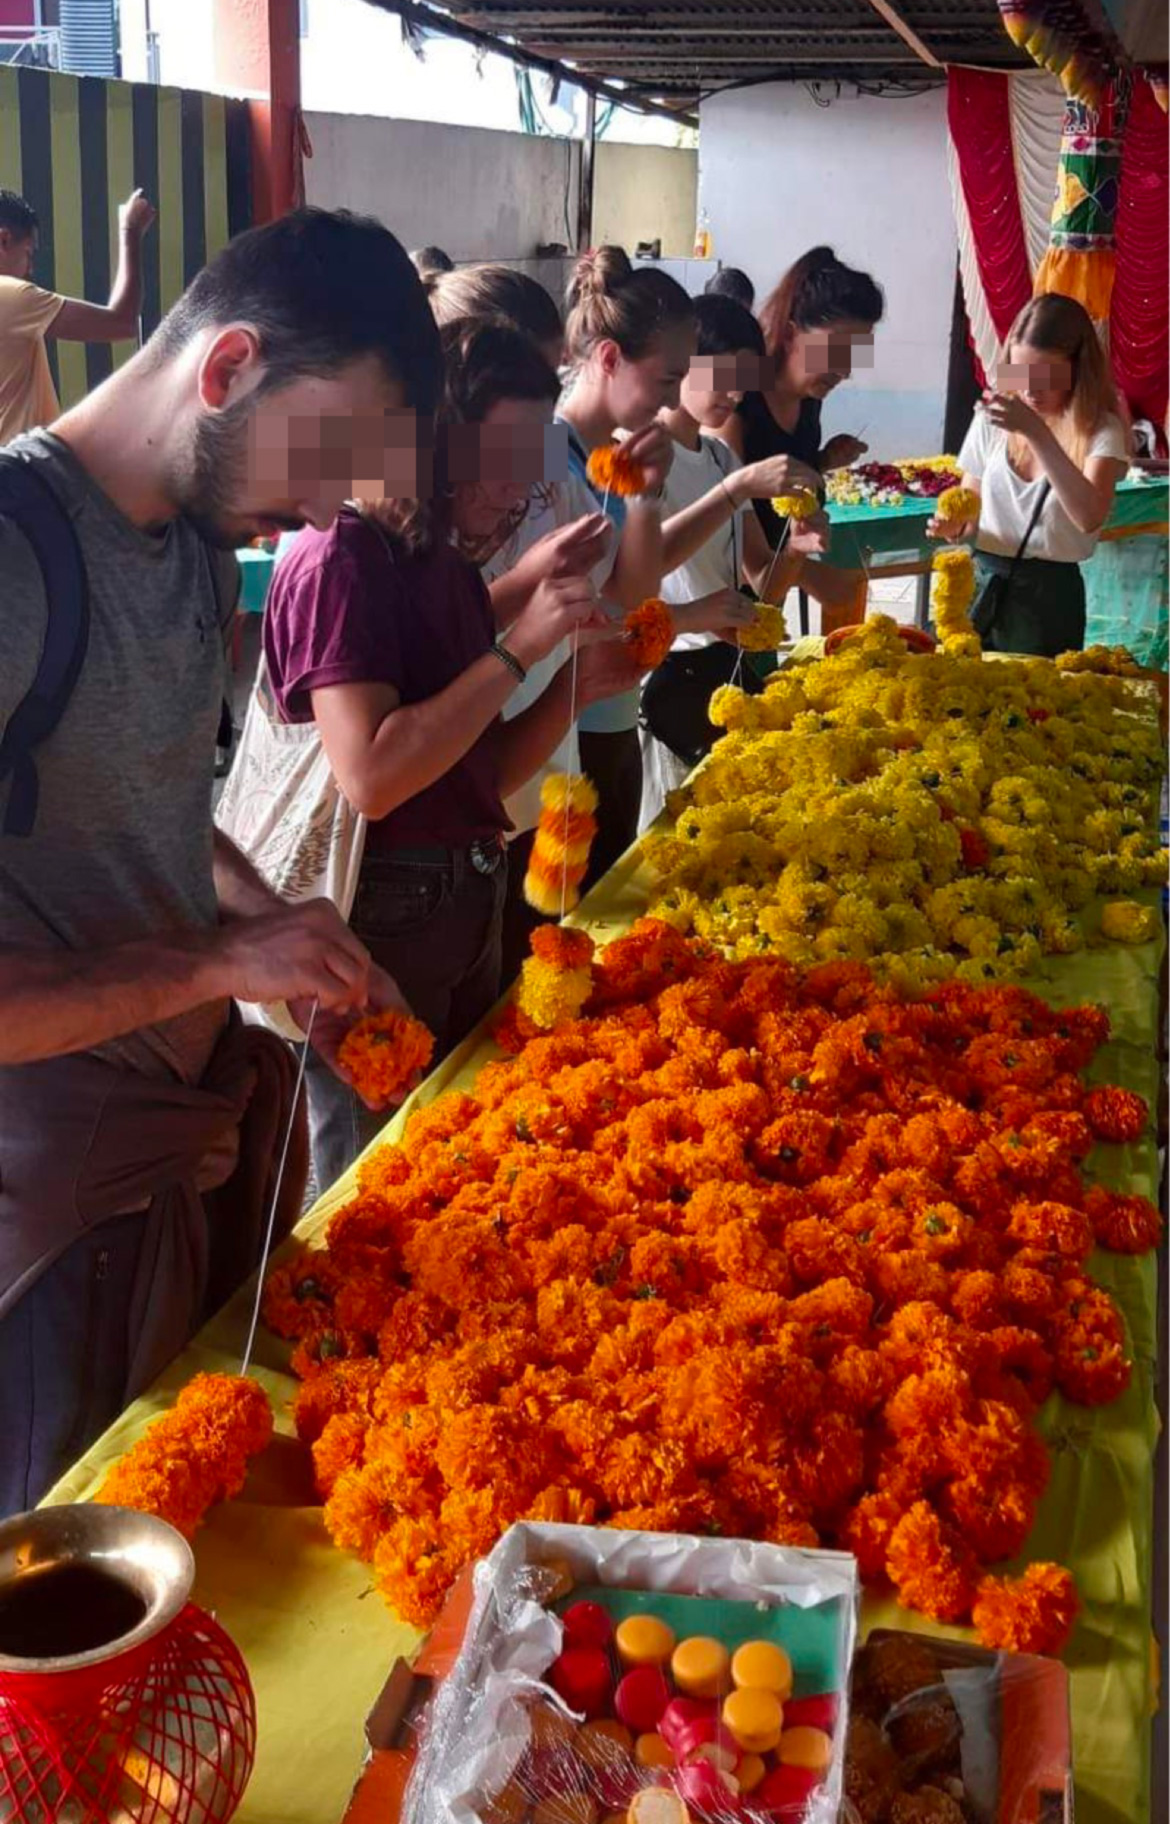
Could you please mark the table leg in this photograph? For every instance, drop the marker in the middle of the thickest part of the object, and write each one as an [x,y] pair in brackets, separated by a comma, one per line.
[922,600]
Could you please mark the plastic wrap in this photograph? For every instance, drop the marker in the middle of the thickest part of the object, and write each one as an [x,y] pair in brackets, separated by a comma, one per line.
[944,1733]
[499,1744]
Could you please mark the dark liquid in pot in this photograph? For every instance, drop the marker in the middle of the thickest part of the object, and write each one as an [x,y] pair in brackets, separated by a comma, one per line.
[63,1609]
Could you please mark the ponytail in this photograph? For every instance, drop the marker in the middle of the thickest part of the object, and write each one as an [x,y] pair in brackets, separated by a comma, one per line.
[817,291]
[611,301]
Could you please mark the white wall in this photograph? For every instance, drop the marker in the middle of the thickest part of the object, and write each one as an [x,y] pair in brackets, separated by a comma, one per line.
[867,176]
[644,193]
[477,193]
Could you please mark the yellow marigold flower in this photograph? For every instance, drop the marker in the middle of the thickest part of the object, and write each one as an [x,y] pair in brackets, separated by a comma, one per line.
[802,503]
[955,504]
[767,631]
[550,996]
[1127,922]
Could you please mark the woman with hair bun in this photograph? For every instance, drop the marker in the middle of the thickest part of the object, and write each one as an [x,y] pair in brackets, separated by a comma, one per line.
[629,339]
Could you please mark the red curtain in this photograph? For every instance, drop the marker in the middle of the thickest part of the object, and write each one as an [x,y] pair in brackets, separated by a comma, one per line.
[980,125]
[1139,319]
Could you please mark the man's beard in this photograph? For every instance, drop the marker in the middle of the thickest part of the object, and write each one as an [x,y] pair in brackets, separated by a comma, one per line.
[216,476]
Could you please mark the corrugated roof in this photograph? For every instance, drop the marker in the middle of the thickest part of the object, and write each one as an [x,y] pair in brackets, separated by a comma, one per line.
[675,51]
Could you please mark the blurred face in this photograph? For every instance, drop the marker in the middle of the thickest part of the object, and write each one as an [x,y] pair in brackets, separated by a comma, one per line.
[1043,376]
[819,359]
[17,253]
[494,465]
[636,391]
[715,384]
[259,463]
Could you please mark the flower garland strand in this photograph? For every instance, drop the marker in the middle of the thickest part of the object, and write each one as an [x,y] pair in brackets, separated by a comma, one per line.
[952,591]
[649,632]
[195,1455]
[611,470]
[560,853]
[383,1053]
[766,632]
[737,1251]
[556,979]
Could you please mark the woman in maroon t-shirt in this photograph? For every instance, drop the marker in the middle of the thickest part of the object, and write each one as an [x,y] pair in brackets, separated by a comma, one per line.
[382,632]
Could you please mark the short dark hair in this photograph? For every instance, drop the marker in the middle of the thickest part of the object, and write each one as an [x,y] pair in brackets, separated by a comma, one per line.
[730,282]
[429,260]
[17,216]
[322,288]
[723,327]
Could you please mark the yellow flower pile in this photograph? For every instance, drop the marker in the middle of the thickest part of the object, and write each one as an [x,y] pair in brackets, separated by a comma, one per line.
[768,631]
[1126,922]
[1117,660]
[934,814]
[952,590]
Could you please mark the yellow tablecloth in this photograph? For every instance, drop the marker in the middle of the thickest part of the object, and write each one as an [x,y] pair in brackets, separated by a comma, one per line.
[319,1641]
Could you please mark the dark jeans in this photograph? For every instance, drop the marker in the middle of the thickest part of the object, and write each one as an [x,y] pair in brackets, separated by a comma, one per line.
[614,763]
[520,921]
[435,925]
[65,1355]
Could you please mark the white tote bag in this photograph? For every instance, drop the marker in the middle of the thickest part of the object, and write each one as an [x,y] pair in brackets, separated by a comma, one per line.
[282,806]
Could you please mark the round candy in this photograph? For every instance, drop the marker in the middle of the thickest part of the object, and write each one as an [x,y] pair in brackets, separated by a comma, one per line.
[551,1729]
[679,1714]
[704,1787]
[818,1712]
[652,1751]
[641,1697]
[750,1772]
[587,1624]
[805,1747]
[653,1805]
[582,1677]
[722,1756]
[701,1666]
[566,1808]
[643,1640]
[760,1665]
[604,1743]
[785,1791]
[755,1719]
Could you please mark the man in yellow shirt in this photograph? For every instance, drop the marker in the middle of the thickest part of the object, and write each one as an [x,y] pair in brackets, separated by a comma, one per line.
[28,397]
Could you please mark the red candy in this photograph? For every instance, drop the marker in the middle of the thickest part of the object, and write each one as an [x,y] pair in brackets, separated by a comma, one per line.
[641,1699]
[581,1675]
[816,1712]
[679,1714]
[695,1736]
[785,1791]
[587,1624]
[702,1786]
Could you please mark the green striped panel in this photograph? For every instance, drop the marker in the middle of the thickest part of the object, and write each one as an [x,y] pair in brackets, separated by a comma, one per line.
[10,167]
[68,256]
[119,176]
[215,206]
[169,201]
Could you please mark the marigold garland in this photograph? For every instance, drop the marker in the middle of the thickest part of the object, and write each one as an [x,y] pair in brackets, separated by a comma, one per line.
[766,632]
[556,980]
[958,505]
[195,1455]
[802,503]
[1034,1613]
[649,632]
[560,853]
[738,1250]
[383,1053]
[612,471]
[952,592]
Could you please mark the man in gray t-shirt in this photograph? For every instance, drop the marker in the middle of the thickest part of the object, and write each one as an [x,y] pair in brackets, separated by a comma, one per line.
[127,925]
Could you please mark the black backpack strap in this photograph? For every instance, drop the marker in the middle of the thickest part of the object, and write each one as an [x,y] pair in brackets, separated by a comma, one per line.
[34,509]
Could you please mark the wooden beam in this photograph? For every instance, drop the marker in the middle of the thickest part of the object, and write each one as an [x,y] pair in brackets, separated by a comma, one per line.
[905,33]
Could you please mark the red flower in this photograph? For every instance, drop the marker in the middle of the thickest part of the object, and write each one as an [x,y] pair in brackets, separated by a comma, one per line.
[1116,1114]
[975,851]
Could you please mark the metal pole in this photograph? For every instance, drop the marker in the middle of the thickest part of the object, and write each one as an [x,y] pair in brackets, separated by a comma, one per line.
[585,197]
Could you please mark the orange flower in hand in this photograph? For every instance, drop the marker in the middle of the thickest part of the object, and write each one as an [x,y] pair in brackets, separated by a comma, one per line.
[383,1053]
[611,470]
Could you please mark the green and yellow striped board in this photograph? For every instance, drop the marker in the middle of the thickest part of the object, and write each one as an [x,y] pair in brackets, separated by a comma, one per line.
[76,146]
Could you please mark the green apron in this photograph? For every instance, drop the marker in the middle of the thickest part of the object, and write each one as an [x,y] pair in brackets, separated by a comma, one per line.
[1032,605]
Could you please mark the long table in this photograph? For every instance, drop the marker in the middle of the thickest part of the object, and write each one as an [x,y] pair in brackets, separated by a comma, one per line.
[319,1641]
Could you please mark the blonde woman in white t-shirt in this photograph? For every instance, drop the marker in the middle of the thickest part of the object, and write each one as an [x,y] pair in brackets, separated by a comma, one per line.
[1045,454]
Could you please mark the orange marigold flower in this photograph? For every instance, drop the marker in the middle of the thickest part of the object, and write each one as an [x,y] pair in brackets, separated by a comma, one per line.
[383,1053]
[1125,1224]
[649,632]
[866,1531]
[930,1566]
[1033,1613]
[195,1455]
[562,946]
[1054,1228]
[341,1446]
[611,470]
[1116,1114]
[994,1517]
[1089,1370]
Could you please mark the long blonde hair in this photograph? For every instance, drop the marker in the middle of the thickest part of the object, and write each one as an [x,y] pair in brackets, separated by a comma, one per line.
[1061,326]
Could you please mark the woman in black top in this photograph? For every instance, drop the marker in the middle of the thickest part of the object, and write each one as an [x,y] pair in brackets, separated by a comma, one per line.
[821,314]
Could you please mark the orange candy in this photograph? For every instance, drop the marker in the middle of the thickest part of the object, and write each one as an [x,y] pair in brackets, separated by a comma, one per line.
[652,1751]
[806,1747]
[750,1771]
[760,1665]
[603,1743]
[643,1640]
[755,1719]
[701,1666]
